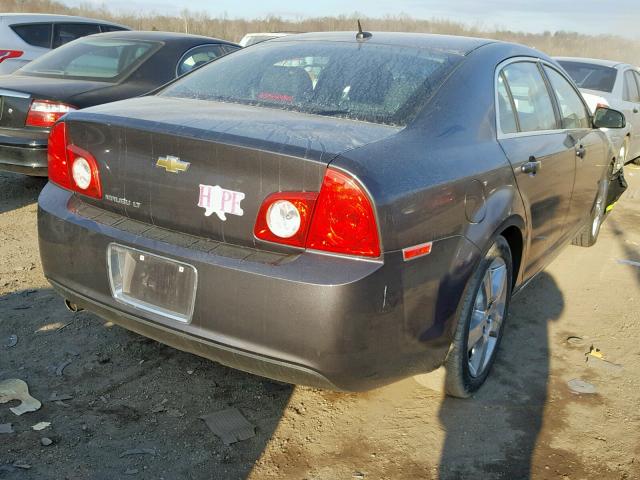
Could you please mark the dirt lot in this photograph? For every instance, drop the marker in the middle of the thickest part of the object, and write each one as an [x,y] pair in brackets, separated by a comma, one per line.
[132,393]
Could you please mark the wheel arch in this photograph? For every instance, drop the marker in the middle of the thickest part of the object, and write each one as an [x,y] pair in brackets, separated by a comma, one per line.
[513,235]
[513,229]
[505,216]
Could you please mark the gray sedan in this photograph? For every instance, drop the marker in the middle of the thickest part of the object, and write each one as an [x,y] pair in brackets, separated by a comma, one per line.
[340,210]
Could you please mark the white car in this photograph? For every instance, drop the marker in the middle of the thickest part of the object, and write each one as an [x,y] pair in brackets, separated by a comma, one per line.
[253,38]
[26,36]
[615,85]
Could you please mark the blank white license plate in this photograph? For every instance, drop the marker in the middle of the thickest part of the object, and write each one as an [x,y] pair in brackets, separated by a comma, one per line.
[152,283]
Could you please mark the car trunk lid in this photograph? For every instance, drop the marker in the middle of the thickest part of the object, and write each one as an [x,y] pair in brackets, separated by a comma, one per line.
[204,168]
[14,106]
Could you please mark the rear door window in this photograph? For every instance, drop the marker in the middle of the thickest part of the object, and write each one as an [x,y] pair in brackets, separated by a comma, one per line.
[637,77]
[507,116]
[230,48]
[198,56]
[66,32]
[35,34]
[631,93]
[531,98]
[572,109]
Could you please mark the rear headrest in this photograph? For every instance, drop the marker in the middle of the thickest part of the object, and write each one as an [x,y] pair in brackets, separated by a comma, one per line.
[604,83]
[285,84]
[371,89]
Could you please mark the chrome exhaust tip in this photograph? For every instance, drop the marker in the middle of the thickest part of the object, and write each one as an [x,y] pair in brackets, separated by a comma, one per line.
[72,307]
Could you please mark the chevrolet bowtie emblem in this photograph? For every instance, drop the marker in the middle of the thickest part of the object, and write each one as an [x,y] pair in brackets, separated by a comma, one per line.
[172,164]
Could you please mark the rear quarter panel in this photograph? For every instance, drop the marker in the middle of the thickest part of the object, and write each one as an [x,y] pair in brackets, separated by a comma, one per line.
[443,179]
[445,174]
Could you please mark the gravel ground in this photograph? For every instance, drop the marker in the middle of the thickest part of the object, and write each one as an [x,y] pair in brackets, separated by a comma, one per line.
[129,393]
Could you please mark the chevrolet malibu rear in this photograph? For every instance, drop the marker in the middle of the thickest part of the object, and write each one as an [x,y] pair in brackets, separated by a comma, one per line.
[314,209]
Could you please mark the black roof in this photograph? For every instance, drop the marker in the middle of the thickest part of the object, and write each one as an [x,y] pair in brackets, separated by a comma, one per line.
[449,43]
[159,36]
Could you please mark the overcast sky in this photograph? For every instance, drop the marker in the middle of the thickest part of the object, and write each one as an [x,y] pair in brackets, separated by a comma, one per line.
[620,17]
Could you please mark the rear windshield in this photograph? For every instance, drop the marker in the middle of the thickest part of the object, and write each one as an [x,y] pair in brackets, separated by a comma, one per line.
[92,59]
[369,82]
[591,76]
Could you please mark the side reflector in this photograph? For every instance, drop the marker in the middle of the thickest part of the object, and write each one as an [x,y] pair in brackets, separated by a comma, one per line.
[416,251]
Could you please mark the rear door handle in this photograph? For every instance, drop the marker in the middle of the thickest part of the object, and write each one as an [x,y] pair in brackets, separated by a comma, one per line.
[581,151]
[532,166]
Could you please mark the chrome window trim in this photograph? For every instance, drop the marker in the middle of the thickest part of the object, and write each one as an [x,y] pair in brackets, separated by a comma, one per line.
[539,62]
[544,63]
[185,55]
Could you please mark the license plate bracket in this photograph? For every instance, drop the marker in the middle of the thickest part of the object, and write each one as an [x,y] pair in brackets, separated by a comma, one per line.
[153,283]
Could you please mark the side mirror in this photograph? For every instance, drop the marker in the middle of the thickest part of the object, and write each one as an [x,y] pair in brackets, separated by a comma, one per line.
[608,118]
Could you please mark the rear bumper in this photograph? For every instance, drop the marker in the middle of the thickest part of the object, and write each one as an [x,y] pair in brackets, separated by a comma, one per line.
[246,361]
[326,321]
[23,151]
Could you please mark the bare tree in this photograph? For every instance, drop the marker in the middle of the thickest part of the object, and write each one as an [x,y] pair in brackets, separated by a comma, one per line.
[557,43]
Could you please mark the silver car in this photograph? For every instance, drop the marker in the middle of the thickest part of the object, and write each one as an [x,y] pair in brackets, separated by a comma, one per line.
[253,38]
[615,85]
[26,36]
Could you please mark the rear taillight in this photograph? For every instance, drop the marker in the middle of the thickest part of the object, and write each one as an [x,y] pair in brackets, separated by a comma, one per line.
[6,54]
[70,166]
[339,219]
[57,155]
[285,217]
[343,220]
[44,113]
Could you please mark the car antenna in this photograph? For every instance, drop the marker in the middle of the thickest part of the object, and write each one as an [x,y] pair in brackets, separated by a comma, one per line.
[360,36]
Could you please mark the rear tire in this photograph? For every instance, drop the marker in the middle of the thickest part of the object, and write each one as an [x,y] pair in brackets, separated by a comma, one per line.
[588,236]
[625,160]
[481,319]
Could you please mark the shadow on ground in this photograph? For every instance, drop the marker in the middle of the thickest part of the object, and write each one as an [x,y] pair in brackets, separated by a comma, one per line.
[631,254]
[17,191]
[494,434]
[128,393]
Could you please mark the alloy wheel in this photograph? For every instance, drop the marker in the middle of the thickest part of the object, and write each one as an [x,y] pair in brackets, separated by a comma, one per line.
[486,317]
[597,218]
